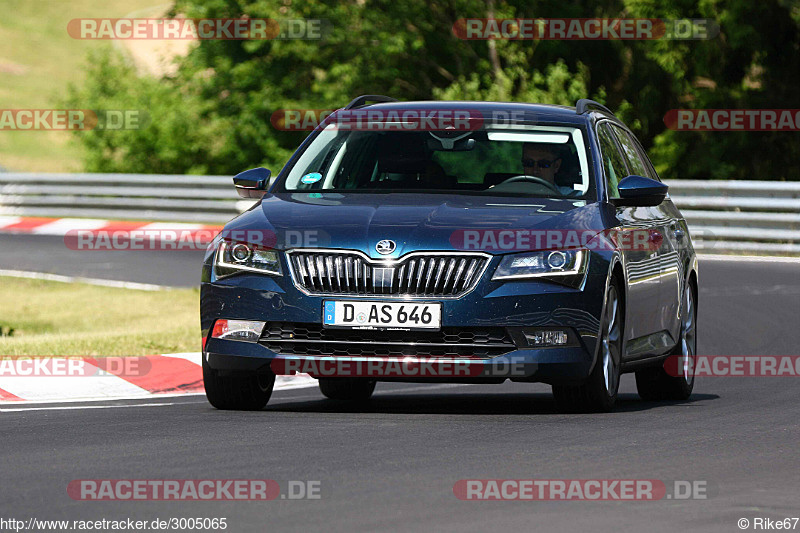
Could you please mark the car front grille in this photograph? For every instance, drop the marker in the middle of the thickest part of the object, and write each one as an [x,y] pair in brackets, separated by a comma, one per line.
[291,338]
[437,274]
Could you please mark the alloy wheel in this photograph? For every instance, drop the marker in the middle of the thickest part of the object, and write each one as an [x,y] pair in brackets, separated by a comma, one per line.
[611,342]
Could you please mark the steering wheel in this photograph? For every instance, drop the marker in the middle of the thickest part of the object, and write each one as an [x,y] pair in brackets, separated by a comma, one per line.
[533,179]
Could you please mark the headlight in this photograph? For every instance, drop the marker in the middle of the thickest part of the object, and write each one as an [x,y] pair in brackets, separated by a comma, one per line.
[233,257]
[548,263]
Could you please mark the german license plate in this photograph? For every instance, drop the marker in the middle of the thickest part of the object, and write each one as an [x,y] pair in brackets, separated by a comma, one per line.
[379,315]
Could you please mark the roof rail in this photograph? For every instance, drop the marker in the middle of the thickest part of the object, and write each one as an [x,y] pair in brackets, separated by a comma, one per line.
[584,105]
[362,100]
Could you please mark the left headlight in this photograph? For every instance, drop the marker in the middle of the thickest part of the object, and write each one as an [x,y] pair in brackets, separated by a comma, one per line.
[547,263]
[234,257]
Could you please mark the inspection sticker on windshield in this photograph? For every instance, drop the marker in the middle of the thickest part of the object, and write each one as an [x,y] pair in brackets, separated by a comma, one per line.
[380,315]
[311,178]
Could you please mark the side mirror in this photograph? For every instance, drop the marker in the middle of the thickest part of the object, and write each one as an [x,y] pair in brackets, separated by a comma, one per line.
[640,191]
[252,183]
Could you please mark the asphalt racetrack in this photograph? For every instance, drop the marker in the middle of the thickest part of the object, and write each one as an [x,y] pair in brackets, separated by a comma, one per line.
[392,465]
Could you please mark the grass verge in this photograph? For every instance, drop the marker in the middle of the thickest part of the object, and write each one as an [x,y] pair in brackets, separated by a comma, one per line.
[53,318]
[38,59]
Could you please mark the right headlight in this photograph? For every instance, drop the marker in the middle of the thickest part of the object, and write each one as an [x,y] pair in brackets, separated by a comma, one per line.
[234,257]
[565,264]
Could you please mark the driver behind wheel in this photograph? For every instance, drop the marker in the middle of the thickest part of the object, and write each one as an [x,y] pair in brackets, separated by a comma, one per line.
[543,161]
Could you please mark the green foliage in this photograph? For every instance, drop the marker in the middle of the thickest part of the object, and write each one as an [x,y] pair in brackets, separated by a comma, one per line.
[213,115]
[185,132]
[556,85]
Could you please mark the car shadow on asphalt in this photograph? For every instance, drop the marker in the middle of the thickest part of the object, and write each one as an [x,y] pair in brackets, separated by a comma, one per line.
[468,404]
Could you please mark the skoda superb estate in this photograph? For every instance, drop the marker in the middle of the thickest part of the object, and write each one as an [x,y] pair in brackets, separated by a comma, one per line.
[454,242]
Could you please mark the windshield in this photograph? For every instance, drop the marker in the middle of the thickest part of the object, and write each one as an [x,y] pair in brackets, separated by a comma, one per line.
[535,161]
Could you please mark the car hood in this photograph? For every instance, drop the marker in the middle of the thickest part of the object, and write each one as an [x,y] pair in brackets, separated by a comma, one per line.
[413,221]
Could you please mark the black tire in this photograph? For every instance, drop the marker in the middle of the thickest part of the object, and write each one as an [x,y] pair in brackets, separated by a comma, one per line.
[244,392]
[599,392]
[655,383]
[347,389]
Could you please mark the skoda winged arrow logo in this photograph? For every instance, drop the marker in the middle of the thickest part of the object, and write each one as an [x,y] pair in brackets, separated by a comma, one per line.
[385,246]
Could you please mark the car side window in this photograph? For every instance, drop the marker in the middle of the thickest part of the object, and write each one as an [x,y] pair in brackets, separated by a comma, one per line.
[613,163]
[632,156]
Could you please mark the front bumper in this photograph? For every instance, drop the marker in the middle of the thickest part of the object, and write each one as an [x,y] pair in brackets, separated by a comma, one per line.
[511,305]
[551,365]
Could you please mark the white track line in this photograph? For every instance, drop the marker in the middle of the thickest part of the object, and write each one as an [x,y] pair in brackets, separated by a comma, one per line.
[294,382]
[74,407]
[89,281]
[192,357]
[426,388]
[60,388]
[748,258]
[90,400]
[63,226]
[282,383]
[176,226]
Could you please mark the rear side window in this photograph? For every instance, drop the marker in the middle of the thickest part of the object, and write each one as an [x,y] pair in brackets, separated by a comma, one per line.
[631,153]
[613,164]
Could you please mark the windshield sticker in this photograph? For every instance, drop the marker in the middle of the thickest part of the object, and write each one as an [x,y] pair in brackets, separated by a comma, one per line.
[311,178]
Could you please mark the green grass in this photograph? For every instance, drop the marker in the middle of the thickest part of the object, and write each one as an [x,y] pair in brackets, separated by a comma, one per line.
[54,318]
[38,59]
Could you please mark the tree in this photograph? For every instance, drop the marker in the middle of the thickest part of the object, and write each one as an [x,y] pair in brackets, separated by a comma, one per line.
[213,114]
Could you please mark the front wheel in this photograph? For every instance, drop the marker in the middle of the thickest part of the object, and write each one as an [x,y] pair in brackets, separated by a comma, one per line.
[655,383]
[348,389]
[244,392]
[599,393]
